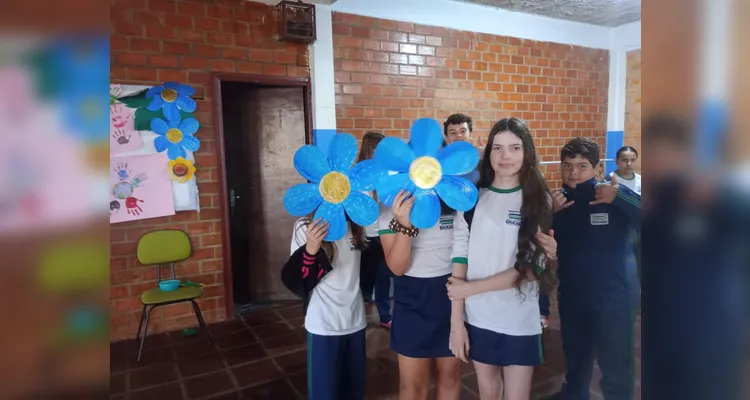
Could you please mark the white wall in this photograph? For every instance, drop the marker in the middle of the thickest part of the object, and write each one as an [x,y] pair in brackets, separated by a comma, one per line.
[622,39]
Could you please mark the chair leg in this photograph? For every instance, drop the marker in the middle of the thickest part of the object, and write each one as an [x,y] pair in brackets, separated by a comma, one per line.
[140,326]
[202,323]
[145,331]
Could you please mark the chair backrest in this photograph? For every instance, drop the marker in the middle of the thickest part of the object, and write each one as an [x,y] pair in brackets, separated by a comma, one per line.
[161,247]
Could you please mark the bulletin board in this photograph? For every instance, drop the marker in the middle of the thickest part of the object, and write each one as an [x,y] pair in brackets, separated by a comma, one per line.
[152,136]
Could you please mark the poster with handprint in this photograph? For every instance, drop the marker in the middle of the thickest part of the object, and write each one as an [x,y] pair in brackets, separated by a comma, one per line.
[122,134]
[139,188]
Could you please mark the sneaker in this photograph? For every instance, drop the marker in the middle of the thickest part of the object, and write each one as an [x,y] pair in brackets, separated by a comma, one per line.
[386,325]
[545,321]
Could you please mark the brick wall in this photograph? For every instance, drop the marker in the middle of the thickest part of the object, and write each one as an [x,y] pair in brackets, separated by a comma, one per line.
[633,102]
[154,41]
[389,73]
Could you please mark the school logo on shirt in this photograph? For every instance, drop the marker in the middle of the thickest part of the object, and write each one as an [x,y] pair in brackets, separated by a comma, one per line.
[445,223]
[599,219]
[514,218]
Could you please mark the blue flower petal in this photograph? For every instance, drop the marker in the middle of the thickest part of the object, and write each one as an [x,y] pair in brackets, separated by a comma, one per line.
[159,126]
[185,103]
[185,90]
[392,154]
[154,91]
[174,151]
[361,208]
[388,187]
[171,112]
[302,199]
[458,193]
[334,214]
[189,126]
[161,143]
[156,103]
[458,158]
[190,143]
[171,85]
[426,210]
[342,152]
[365,175]
[311,163]
[426,137]
[173,123]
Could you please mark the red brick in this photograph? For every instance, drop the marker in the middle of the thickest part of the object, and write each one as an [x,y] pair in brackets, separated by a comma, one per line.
[164,61]
[195,63]
[128,29]
[178,21]
[234,53]
[273,69]
[189,35]
[191,8]
[249,68]
[206,51]
[166,75]
[208,24]
[223,66]
[144,45]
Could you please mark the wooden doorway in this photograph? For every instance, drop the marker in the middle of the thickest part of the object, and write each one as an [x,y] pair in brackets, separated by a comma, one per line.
[260,122]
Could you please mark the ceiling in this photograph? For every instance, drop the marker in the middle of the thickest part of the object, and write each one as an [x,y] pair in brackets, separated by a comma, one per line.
[597,12]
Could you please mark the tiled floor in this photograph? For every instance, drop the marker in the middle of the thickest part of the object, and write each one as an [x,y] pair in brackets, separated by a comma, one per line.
[261,355]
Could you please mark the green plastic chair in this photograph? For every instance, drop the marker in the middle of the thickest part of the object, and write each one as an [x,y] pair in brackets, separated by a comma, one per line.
[162,247]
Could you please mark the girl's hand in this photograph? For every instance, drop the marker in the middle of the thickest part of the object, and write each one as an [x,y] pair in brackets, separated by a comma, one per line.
[459,342]
[549,244]
[316,232]
[458,289]
[402,207]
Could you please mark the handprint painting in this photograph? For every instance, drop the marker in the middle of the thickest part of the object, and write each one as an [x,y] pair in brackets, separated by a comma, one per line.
[336,185]
[428,172]
[140,188]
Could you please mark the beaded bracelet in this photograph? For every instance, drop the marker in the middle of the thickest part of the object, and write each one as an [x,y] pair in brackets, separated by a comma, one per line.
[396,227]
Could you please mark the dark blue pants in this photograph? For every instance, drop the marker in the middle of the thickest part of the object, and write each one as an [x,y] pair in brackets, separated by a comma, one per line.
[607,335]
[383,292]
[336,366]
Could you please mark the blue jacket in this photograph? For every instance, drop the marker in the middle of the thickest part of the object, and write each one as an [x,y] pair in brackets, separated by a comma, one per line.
[597,266]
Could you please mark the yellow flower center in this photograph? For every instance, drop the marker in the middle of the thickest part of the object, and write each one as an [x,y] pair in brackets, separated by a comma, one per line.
[335,187]
[174,135]
[425,172]
[169,95]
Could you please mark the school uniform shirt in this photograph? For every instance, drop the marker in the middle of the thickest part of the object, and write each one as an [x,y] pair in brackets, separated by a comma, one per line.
[336,305]
[489,248]
[633,183]
[596,263]
[430,250]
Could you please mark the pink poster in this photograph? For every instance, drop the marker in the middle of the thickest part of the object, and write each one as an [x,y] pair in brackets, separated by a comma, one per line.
[139,188]
[122,134]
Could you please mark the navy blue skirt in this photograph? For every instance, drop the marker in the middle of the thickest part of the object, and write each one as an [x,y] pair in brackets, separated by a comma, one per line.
[498,349]
[421,317]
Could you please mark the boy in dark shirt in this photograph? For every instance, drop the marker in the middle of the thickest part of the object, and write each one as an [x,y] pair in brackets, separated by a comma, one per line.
[599,286]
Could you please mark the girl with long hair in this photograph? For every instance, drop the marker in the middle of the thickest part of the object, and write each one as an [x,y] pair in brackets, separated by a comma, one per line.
[374,273]
[421,263]
[501,255]
[326,276]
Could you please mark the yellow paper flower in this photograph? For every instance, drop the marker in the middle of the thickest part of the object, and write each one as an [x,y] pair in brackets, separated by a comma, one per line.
[181,170]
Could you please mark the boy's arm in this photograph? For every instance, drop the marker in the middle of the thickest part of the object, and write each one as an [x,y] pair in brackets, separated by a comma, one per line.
[630,203]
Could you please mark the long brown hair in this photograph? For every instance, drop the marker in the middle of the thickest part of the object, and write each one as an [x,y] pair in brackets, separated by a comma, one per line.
[369,142]
[536,206]
[358,236]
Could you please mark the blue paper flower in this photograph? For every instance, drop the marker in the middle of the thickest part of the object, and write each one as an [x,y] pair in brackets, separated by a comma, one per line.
[86,116]
[427,172]
[80,61]
[175,136]
[336,186]
[171,97]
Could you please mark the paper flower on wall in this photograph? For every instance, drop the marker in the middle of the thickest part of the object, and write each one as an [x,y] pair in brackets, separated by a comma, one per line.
[336,186]
[181,170]
[427,171]
[86,116]
[175,136]
[171,97]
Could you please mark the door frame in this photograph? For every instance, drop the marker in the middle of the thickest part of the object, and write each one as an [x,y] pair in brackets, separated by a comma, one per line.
[261,81]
